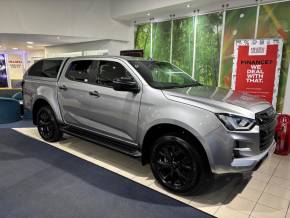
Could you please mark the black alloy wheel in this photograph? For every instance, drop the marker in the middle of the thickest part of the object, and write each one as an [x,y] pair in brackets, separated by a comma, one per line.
[47,126]
[176,164]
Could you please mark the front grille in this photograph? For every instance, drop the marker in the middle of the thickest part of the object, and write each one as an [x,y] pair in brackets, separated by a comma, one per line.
[267,122]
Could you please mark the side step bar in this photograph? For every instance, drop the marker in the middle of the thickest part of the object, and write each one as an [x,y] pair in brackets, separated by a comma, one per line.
[101,140]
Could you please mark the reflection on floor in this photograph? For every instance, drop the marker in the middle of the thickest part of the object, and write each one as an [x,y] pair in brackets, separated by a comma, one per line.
[265,193]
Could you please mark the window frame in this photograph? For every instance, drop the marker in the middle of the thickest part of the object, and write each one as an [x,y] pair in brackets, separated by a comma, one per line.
[33,66]
[134,74]
[98,73]
[63,62]
[95,64]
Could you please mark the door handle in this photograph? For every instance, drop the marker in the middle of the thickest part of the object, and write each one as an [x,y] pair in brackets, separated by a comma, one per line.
[62,87]
[95,93]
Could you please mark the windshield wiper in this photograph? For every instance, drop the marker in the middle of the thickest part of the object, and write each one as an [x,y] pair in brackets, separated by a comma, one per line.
[191,85]
[183,86]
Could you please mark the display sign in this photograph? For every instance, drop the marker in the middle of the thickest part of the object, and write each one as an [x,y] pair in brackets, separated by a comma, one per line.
[256,67]
[15,66]
[15,69]
[3,72]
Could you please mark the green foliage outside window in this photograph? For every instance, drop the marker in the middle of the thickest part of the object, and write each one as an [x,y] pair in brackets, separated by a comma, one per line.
[208,43]
[161,41]
[182,44]
[239,24]
[143,38]
[274,21]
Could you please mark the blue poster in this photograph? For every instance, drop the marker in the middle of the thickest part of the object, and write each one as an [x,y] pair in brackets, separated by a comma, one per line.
[3,72]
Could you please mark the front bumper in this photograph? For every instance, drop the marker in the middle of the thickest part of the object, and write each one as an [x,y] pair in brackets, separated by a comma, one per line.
[221,144]
[253,162]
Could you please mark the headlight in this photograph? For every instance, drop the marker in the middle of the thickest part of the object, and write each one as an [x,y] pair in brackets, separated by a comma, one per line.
[233,122]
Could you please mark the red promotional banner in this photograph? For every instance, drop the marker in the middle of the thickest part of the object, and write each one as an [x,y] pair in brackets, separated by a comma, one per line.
[257,67]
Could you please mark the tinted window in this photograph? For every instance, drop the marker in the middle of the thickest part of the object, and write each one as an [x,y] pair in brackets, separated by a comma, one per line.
[36,69]
[80,71]
[163,75]
[110,70]
[45,68]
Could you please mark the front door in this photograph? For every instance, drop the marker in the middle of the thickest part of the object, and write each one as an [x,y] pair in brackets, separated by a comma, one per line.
[91,102]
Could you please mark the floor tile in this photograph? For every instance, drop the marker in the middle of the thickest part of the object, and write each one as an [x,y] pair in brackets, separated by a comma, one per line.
[288,213]
[278,191]
[273,201]
[226,212]
[145,180]
[267,168]
[261,211]
[209,208]
[282,172]
[241,205]
[250,194]
[281,182]
[261,177]
[157,187]
[256,184]
[274,159]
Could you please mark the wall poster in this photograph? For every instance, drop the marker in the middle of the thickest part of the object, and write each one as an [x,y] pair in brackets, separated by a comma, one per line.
[256,67]
[3,72]
[15,69]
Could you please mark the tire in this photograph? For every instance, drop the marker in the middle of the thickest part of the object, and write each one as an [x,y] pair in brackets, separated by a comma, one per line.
[47,125]
[177,165]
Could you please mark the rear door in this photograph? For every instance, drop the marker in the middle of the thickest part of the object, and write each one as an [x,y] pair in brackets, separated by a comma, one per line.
[74,88]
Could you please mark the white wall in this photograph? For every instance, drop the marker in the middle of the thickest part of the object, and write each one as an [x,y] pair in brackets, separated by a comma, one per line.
[113,46]
[33,56]
[81,18]
[120,8]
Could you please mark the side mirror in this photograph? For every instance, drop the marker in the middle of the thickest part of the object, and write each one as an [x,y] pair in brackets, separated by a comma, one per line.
[125,84]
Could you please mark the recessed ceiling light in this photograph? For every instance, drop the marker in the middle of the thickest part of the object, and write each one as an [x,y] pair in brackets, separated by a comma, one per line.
[188,5]
[30,43]
[148,14]
[15,48]
[58,37]
[29,46]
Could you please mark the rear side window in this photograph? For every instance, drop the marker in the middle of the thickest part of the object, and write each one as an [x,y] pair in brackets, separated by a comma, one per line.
[45,68]
[79,71]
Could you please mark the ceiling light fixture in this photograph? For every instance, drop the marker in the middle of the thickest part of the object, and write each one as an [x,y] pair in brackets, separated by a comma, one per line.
[15,48]
[30,43]
[58,37]
[188,5]
[29,46]
[148,14]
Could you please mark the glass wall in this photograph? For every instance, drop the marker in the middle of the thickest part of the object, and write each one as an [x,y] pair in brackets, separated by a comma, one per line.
[274,21]
[208,43]
[182,44]
[161,43]
[239,24]
[143,38]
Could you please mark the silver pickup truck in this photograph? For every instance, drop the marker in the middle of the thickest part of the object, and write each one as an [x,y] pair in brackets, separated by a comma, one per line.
[152,110]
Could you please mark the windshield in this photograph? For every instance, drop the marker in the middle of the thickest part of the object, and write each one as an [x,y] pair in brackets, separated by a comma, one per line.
[163,75]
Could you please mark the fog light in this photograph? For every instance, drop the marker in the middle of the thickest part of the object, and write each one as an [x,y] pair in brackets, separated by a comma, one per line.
[239,149]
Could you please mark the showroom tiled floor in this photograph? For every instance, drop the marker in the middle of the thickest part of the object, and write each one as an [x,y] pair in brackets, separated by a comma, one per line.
[265,193]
